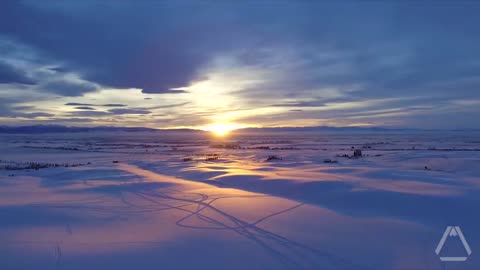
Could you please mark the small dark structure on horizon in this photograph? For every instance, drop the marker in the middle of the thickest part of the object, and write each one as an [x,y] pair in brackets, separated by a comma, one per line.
[273,157]
[357,153]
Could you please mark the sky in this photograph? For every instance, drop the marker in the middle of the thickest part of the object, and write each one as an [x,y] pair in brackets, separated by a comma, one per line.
[172,64]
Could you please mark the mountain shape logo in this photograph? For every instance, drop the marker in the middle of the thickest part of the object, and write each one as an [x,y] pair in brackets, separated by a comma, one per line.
[453,233]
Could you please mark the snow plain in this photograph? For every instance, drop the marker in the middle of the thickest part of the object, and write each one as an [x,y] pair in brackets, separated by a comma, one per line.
[183,200]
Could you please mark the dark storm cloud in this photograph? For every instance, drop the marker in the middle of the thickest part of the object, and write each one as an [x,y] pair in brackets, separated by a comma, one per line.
[155,49]
[162,45]
[10,74]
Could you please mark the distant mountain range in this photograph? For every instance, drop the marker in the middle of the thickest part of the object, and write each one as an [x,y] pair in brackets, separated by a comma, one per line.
[35,129]
[324,128]
[351,129]
[38,129]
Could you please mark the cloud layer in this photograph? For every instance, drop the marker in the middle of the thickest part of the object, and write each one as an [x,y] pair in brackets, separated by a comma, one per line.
[168,64]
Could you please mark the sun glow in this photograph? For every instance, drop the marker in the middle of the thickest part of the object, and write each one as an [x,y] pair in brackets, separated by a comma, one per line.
[222,129]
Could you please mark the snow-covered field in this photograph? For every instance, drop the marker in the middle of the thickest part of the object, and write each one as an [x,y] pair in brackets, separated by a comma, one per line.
[182,200]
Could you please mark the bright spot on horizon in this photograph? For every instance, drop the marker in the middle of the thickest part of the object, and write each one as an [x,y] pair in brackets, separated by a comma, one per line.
[221,129]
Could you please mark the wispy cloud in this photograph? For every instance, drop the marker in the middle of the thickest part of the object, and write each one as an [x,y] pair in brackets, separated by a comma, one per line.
[90,104]
[129,111]
[11,75]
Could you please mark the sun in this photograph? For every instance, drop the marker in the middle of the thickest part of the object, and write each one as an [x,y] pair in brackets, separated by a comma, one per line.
[222,129]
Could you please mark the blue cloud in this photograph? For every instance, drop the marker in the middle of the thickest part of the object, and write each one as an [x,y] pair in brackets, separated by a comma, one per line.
[69,88]
[85,108]
[129,111]
[10,75]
